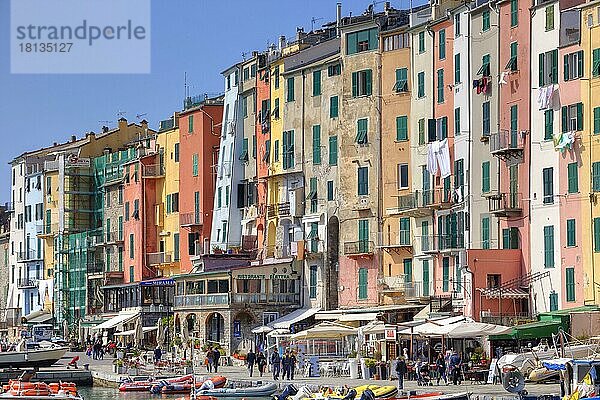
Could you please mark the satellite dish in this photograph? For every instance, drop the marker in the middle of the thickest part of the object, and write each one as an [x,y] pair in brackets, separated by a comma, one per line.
[513,381]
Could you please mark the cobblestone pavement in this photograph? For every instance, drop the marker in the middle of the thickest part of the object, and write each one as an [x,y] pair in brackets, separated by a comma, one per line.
[240,373]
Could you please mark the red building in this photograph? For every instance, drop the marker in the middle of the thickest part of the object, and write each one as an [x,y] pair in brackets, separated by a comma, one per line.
[200,132]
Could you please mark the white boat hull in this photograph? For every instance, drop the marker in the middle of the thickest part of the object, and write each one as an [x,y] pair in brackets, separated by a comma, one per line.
[32,358]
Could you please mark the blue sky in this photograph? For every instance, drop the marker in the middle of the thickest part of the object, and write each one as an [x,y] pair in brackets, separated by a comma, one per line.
[200,37]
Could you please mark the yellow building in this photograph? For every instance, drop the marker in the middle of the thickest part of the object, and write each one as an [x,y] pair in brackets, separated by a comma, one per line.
[590,97]
[167,195]
[50,227]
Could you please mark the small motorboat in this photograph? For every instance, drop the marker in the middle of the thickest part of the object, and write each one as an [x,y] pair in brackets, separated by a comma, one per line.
[266,390]
[185,387]
[380,392]
[40,391]
[145,383]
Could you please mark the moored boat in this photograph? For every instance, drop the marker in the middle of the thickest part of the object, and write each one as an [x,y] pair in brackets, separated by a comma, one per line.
[40,391]
[266,390]
[144,385]
[185,387]
[41,355]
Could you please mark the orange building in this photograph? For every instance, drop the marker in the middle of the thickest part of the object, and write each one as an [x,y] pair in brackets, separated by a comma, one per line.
[263,136]
[200,132]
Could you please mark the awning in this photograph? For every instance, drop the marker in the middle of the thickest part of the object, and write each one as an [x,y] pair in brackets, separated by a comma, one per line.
[131,332]
[295,316]
[333,315]
[509,293]
[373,327]
[470,329]
[158,282]
[122,318]
[278,332]
[539,329]
[432,326]
[40,319]
[358,317]
[262,329]
[325,330]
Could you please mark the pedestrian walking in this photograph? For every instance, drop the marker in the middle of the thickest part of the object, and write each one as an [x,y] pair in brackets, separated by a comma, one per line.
[292,365]
[250,359]
[440,364]
[275,364]
[157,354]
[261,361]
[210,358]
[216,356]
[401,371]
[455,367]
[285,364]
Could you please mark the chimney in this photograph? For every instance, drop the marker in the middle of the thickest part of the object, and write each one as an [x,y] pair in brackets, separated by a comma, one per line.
[73,138]
[104,129]
[281,42]
[144,125]
[254,54]
[55,144]
[299,33]
[122,123]
[338,17]
[386,7]
[106,150]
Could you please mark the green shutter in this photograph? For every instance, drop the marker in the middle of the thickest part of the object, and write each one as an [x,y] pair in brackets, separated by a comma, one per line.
[457,121]
[514,13]
[553,301]
[570,283]
[290,89]
[485,177]
[457,68]
[541,65]
[421,84]
[190,124]
[176,246]
[549,246]
[131,246]
[596,62]
[566,67]
[401,128]
[363,181]
[485,233]
[442,44]
[445,274]
[354,84]
[579,116]
[554,54]
[485,21]
[317,83]
[408,273]
[596,235]
[550,17]
[422,42]
[565,118]
[421,125]
[333,107]
[549,124]
[506,238]
[596,177]
[573,178]
[440,86]
[425,278]
[362,283]
[316,144]
[580,63]
[333,150]
[369,79]
[571,238]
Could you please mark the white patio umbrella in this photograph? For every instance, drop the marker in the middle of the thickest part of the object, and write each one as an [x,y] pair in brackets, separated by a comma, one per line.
[138,335]
[160,333]
[262,329]
[185,334]
[465,329]
[325,330]
[65,330]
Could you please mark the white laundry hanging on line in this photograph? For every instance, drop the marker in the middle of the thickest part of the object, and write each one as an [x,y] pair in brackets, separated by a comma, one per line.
[432,148]
[549,94]
[502,80]
[443,158]
[541,97]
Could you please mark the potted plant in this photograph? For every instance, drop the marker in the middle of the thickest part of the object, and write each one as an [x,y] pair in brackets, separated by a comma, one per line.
[119,366]
[217,250]
[189,367]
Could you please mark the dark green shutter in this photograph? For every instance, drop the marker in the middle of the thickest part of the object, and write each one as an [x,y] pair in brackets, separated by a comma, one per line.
[565,118]
[316,144]
[580,63]
[570,283]
[579,116]
[333,150]
[369,77]
[566,67]
[541,69]
[554,66]
[571,240]
[596,235]
[354,84]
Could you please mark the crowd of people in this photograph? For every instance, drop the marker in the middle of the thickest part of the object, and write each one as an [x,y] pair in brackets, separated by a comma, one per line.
[447,367]
[212,359]
[286,363]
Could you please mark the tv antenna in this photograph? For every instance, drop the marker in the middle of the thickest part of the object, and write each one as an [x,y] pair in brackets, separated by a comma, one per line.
[312,22]
[121,113]
[139,116]
[105,122]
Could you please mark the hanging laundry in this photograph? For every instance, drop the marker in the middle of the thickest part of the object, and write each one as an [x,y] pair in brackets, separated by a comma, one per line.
[458,195]
[432,148]
[556,138]
[485,85]
[475,83]
[502,80]
[566,142]
[549,93]
[541,98]
[443,158]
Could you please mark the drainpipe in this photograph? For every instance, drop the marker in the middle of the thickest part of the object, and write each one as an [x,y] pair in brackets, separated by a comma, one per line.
[498,163]
[379,160]
[302,127]
[469,95]
[591,177]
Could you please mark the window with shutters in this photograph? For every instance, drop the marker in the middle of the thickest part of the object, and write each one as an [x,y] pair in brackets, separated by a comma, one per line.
[244,153]
[570,284]
[333,150]
[360,41]
[363,181]
[457,25]
[457,68]
[408,270]
[440,86]
[573,65]
[333,107]
[219,197]
[553,301]
[316,83]
[402,176]
[548,124]
[459,174]
[275,149]
[401,84]
[596,120]
[571,236]
[514,125]
[401,128]
[548,185]
[573,177]
[548,68]
[330,191]
[596,62]
[485,233]
[549,246]
[316,141]
[421,42]
[176,247]
[312,286]
[421,84]
[194,164]
[426,278]
[363,275]
[176,152]
[190,124]
[510,238]
[484,70]
[512,62]
[442,44]
[363,236]
[550,18]
[485,177]
[457,121]
[572,118]
[362,126]
[514,13]
[597,235]
[131,246]
[404,239]
[288,149]
[485,21]
[485,121]
[312,195]
[596,176]
[421,127]
[126,211]
[290,89]
[362,83]
[445,274]
[333,70]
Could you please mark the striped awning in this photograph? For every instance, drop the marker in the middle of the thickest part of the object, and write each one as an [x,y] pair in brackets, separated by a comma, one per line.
[507,293]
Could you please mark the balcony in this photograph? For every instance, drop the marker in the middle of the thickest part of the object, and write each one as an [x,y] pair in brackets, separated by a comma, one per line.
[423,244]
[281,210]
[153,171]
[48,230]
[190,218]
[9,207]
[26,283]
[507,145]
[95,267]
[506,204]
[159,258]
[192,300]
[29,255]
[450,243]
[421,203]
[512,319]
[396,241]
[112,237]
[359,248]
[314,247]
[266,298]
[431,244]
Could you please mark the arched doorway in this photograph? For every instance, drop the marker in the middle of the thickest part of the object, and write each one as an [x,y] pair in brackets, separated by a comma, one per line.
[243,338]
[271,232]
[191,322]
[215,323]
